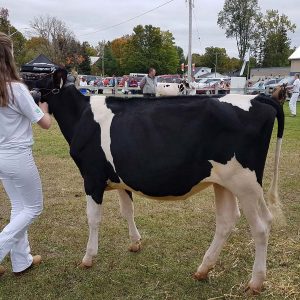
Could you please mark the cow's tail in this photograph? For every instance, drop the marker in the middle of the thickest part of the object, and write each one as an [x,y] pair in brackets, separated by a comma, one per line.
[274,203]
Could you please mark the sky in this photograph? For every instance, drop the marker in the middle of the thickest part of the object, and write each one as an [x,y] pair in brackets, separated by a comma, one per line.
[90,19]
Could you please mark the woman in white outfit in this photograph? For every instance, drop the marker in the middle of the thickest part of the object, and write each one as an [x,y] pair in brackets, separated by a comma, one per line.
[18,172]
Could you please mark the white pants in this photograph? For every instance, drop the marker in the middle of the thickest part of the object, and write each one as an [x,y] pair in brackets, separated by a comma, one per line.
[21,181]
[293,103]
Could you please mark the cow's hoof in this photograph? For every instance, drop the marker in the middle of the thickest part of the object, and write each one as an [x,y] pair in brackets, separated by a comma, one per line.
[85,265]
[252,291]
[200,276]
[135,247]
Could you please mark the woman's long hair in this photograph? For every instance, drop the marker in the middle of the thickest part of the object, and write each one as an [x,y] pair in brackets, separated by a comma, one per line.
[8,69]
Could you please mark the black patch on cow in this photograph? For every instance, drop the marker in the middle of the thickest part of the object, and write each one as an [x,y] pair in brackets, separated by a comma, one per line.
[163,147]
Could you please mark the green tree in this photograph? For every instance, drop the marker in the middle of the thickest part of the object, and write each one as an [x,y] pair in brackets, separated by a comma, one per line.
[238,19]
[168,58]
[111,65]
[197,59]
[213,56]
[33,47]
[118,51]
[150,47]
[85,66]
[181,59]
[90,50]
[17,37]
[272,44]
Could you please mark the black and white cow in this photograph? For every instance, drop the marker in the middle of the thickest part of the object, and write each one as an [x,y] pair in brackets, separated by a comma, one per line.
[171,89]
[170,149]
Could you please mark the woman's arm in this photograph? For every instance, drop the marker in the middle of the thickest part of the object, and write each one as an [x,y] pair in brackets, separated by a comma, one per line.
[45,121]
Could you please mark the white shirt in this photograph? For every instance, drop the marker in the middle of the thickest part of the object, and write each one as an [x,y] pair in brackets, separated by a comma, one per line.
[193,85]
[296,86]
[83,83]
[16,118]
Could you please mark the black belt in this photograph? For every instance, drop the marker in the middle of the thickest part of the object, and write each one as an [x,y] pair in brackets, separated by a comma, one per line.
[149,95]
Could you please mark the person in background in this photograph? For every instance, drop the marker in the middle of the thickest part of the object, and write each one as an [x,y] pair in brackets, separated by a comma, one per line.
[125,87]
[75,75]
[114,83]
[18,172]
[295,95]
[193,86]
[83,82]
[149,83]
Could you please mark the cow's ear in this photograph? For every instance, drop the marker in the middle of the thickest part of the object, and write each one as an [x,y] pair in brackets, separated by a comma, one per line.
[60,78]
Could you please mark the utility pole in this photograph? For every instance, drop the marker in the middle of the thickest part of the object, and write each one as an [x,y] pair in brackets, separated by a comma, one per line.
[190,41]
[216,65]
[103,62]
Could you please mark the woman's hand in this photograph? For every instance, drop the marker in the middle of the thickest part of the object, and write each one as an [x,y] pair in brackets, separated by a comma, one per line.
[45,121]
[44,107]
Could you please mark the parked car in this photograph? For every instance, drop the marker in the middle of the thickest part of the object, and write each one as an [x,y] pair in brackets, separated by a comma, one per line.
[256,88]
[209,82]
[287,80]
[90,79]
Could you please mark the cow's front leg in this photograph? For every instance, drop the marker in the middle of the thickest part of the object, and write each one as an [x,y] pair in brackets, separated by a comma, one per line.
[127,211]
[94,212]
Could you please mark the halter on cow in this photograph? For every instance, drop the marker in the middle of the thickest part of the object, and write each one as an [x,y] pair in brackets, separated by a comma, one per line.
[170,149]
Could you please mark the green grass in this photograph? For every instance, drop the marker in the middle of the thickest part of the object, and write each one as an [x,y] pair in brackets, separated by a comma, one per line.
[175,238]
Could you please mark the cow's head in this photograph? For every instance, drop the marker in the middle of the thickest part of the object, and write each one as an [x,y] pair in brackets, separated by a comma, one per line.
[279,93]
[51,87]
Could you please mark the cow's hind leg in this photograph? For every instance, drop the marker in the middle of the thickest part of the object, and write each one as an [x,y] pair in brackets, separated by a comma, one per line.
[127,211]
[259,219]
[94,212]
[227,213]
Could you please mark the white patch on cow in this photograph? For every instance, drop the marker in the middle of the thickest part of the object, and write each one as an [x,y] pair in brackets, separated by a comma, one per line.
[234,176]
[241,101]
[103,115]
[167,89]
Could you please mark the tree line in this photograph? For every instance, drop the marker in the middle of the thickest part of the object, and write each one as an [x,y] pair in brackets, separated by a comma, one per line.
[265,34]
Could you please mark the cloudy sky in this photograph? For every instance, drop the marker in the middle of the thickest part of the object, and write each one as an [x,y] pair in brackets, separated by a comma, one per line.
[95,20]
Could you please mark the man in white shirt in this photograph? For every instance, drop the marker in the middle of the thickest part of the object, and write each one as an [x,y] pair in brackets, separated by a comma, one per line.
[83,82]
[295,95]
[193,86]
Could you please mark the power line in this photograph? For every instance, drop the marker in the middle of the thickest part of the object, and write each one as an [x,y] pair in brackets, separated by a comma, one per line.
[128,20]
[197,29]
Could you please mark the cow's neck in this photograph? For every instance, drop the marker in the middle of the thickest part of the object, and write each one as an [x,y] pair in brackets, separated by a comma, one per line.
[68,114]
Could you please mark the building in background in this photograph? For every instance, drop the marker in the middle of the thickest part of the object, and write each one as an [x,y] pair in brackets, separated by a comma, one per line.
[199,71]
[295,62]
[267,73]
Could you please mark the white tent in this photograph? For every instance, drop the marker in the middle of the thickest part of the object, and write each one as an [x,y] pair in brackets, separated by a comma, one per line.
[94,59]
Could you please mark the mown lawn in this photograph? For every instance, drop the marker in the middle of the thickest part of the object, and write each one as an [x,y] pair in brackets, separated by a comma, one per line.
[175,238]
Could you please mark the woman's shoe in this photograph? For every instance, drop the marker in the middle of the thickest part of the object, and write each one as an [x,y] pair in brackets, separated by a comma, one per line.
[36,260]
[2,270]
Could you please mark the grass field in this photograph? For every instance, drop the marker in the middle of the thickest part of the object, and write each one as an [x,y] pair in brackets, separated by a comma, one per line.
[175,238]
